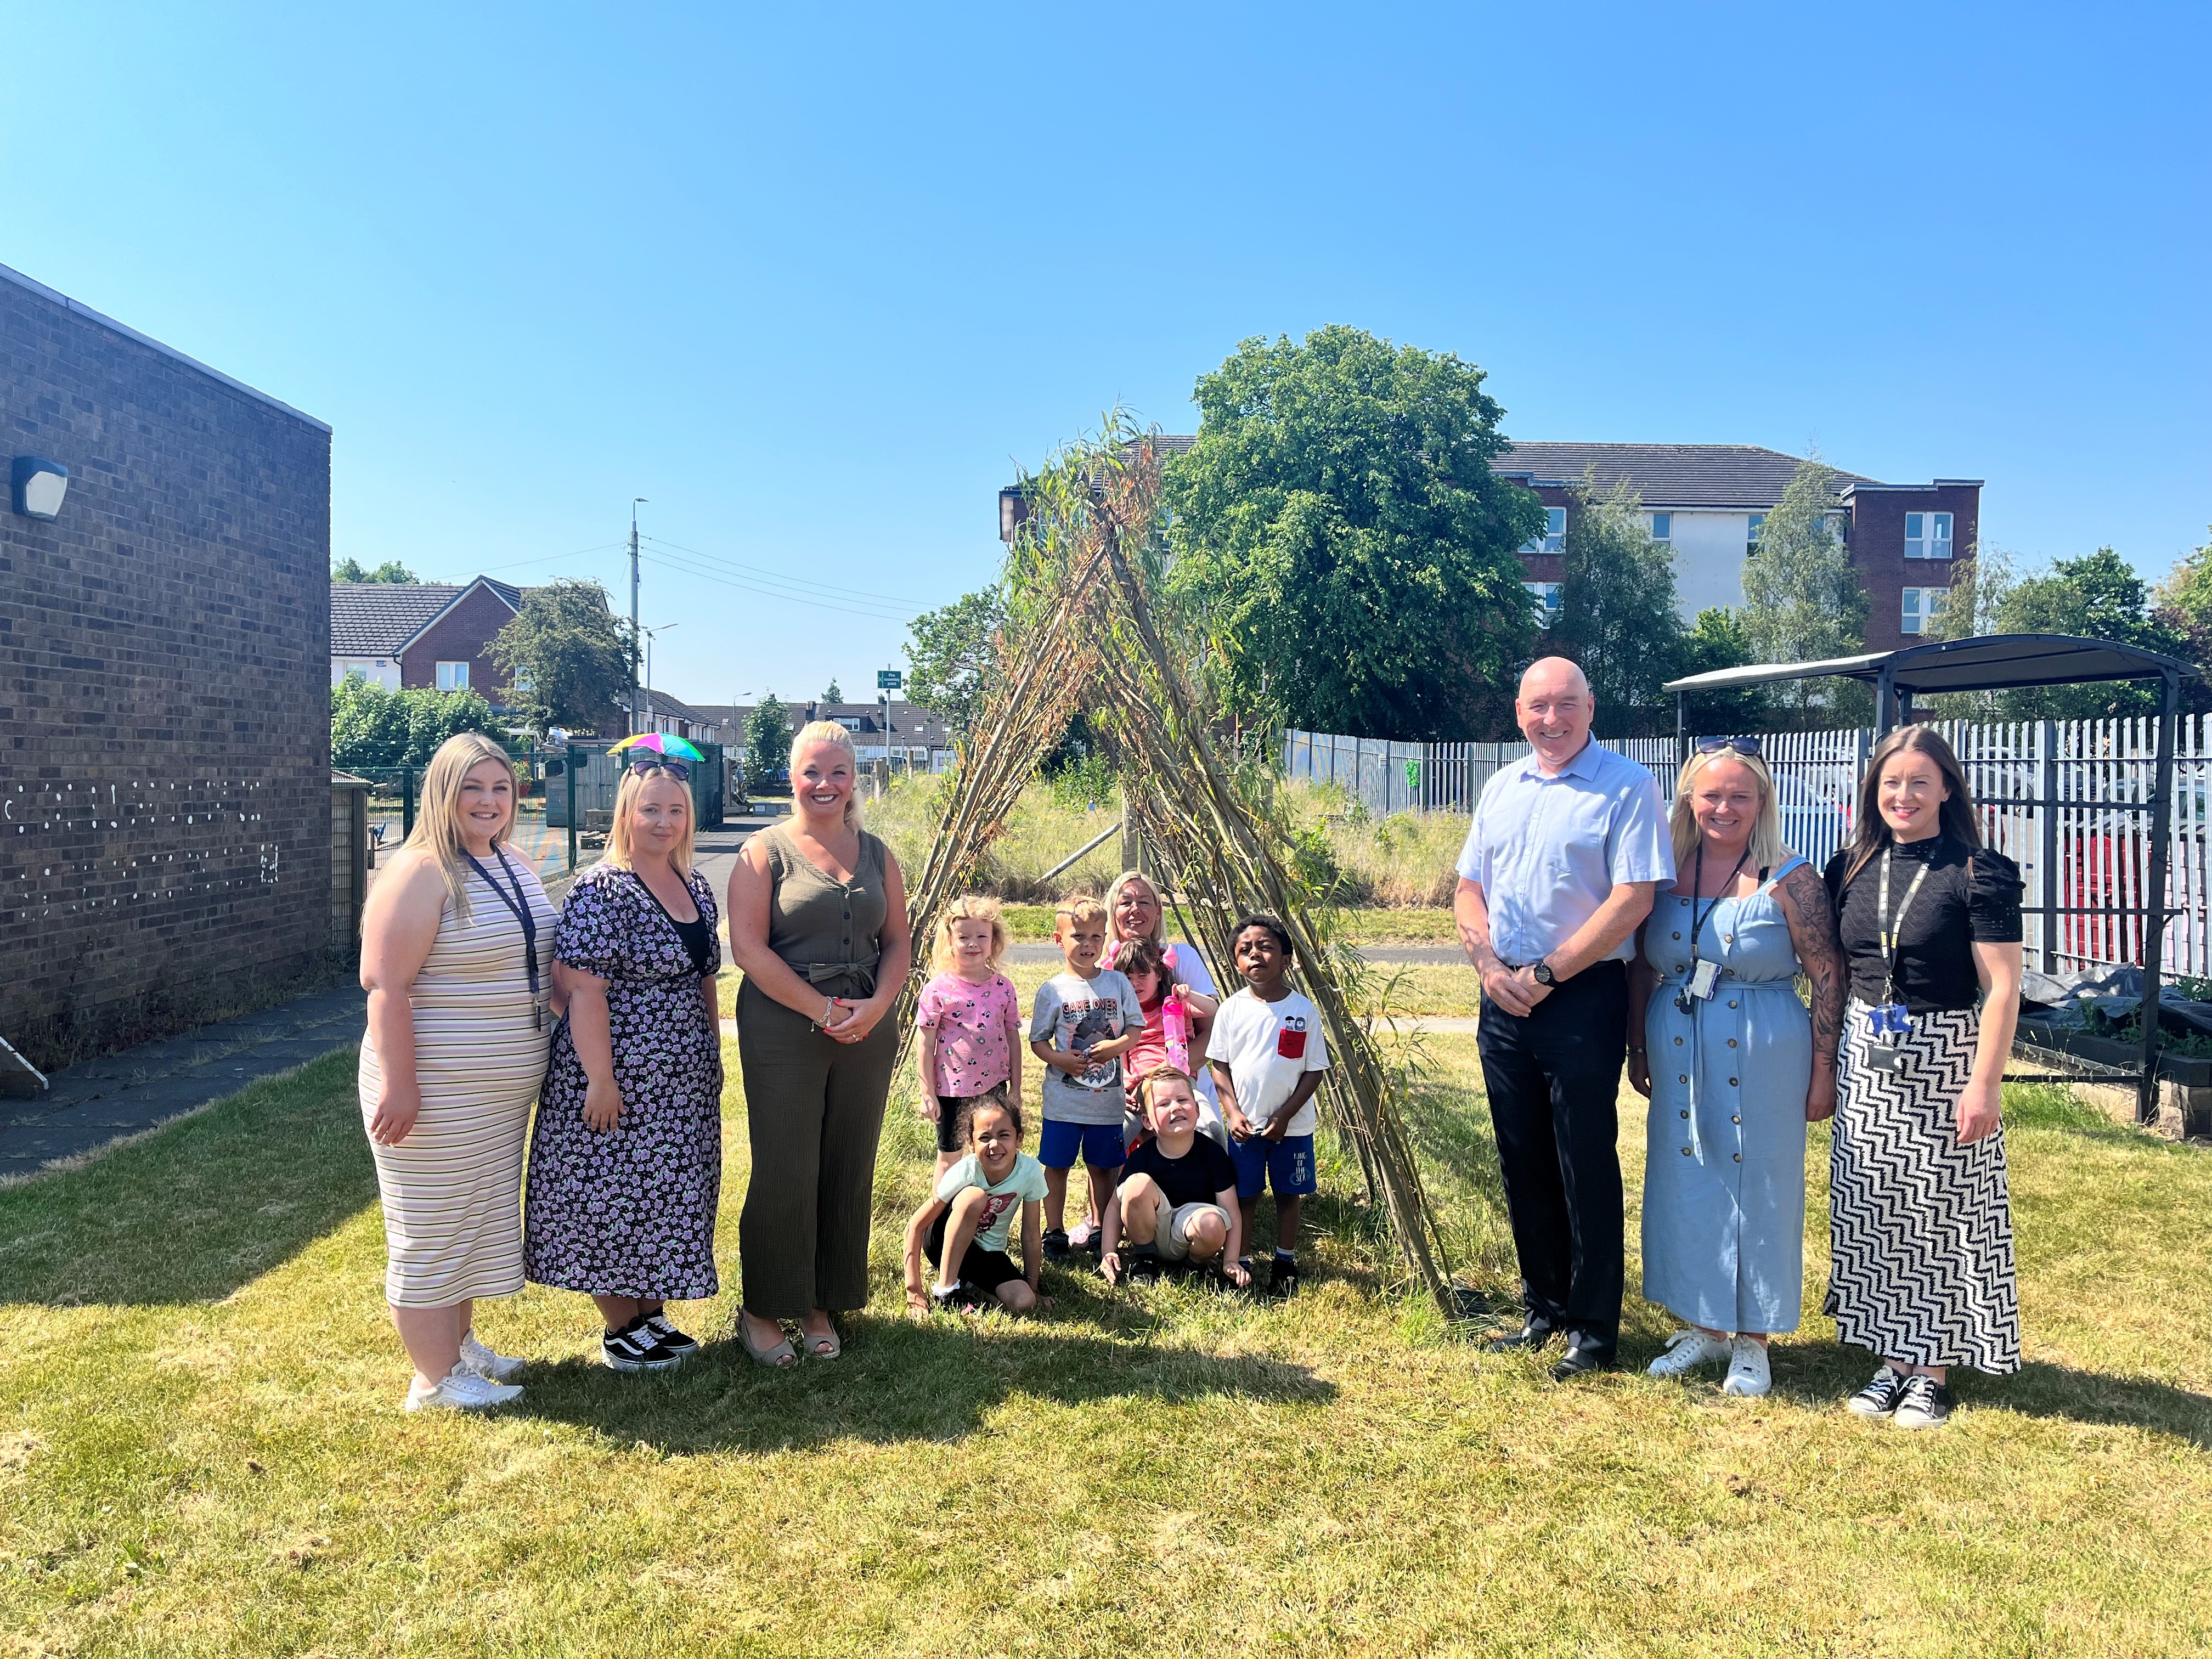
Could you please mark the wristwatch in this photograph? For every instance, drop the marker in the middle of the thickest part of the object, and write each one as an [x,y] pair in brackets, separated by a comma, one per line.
[1542,973]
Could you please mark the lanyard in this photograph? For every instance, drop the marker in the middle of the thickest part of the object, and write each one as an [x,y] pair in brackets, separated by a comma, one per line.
[1697,880]
[1892,940]
[520,907]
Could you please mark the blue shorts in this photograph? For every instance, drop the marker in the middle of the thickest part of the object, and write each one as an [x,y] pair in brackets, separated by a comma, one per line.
[1098,1145]
[1287,1165]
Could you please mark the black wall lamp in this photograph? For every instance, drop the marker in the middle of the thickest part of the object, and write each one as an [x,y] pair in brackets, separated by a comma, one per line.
[38,486]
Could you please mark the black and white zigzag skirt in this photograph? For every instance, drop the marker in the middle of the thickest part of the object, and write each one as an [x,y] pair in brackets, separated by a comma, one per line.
[1919,1227]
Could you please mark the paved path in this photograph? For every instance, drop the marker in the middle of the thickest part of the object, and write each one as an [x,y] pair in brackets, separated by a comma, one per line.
[89,1106]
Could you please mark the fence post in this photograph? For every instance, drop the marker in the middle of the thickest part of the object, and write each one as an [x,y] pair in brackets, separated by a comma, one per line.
[2046,789]
[568,776]
[406,802]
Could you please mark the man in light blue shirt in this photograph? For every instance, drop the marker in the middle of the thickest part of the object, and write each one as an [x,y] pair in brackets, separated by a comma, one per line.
[1557,875]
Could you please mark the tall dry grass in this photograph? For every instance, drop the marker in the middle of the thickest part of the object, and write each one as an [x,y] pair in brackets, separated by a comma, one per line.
[1043,829]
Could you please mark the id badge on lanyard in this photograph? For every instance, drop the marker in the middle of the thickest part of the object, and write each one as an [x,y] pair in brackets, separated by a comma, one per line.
[1890,1023]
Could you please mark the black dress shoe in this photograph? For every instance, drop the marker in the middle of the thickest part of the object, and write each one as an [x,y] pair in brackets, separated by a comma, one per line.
[1534,1333]
[1580,1361]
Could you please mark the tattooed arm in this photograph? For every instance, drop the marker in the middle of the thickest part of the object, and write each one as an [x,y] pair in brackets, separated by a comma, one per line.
[1821,953]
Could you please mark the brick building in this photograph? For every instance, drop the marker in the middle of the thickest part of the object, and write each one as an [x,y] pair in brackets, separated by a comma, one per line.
[403,634]
[165,783]
[1707,500]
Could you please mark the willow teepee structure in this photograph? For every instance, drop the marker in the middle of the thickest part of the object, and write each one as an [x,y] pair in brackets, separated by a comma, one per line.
[1084,631]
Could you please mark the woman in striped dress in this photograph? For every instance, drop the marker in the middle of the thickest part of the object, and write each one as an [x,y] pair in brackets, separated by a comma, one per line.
[1920,1226]
[456,942]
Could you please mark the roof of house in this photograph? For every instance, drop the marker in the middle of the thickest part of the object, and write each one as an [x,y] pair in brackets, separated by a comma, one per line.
[910,721]
[1669,475]
[660,702]
[378,619]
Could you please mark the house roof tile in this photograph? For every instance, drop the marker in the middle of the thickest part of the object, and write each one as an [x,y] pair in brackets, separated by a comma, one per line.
[1669,475]
[376,619]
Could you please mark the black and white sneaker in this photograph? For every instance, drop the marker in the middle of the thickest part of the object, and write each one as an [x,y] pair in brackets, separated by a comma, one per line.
[635,1347]
[1142,1262]
[1926,1404]
[668,1338]
[1055,1244]
[1880,1397]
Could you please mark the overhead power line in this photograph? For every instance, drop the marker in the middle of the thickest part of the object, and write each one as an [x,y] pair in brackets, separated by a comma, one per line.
[757,572]
[884,613]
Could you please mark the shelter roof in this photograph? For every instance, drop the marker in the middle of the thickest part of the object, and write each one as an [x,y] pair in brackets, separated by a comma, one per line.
[1987,662]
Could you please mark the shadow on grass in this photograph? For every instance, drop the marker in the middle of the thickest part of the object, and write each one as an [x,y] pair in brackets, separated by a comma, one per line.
[198,1208]
[898,1379]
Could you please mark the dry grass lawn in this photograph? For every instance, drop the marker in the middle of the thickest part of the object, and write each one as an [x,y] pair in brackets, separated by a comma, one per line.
[202,1452]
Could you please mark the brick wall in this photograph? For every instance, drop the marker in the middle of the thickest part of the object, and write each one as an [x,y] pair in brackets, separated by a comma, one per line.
[460,635]
[1876,539]
[164,707]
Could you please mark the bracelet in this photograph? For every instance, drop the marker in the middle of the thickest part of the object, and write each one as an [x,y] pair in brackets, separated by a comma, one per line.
[1639,1051]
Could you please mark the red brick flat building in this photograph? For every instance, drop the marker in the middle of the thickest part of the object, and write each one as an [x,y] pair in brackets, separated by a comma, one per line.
[1707,500]
[403,634]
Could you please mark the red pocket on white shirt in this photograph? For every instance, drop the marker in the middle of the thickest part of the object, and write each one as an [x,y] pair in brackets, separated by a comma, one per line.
[1290,1040]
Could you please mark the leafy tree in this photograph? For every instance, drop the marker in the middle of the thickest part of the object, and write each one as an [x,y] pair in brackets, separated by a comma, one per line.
[1338,535]
[371,727]
[2182,605]
[833,695]
[1803,600]
[767,741]
[1616,605]
[1719,639]
[569,658]
[950,653]
[349,570]
[2098,596]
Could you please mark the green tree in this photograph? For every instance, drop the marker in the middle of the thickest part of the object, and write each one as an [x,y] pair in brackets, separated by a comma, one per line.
[1719,639]
[768,740]
[1802,601]
[1342,543]
[2182,605]
[568,658]
[373,727]
[950,653]
[349,570]
[833,695]
[2099,597]
[1617,614]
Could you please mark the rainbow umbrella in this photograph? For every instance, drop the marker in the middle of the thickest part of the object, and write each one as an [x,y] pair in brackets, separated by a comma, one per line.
[661,744]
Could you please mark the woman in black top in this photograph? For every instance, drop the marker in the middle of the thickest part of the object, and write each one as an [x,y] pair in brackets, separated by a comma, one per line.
[626,1160]
[1920,1232]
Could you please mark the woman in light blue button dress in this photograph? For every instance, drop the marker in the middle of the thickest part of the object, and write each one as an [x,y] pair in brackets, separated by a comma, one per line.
[1733,1076]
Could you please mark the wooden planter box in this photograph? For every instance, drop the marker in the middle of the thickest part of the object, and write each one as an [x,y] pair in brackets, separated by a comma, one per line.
[2184,1081]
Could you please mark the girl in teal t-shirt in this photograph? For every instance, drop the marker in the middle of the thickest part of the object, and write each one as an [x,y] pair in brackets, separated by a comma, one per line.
[964,1227]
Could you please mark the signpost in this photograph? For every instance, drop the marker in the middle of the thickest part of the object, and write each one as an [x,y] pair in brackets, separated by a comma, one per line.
[888,680]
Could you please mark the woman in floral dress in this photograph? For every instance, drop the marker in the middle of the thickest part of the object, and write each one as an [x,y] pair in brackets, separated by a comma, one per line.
[626,1160]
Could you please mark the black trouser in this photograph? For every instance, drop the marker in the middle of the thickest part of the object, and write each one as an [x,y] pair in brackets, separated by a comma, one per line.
[1553,1078]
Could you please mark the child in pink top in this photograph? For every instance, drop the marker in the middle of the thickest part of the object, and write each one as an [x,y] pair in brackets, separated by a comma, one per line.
[970,1021]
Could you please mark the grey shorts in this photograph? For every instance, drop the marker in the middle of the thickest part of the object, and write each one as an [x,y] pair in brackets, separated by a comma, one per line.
[1173,1239]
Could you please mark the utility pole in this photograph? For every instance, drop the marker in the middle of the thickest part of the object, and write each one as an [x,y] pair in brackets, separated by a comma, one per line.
[635,502]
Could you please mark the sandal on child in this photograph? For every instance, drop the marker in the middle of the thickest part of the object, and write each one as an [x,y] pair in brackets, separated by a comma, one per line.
[777,1358]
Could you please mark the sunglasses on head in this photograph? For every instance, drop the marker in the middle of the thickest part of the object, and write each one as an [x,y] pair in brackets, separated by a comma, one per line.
[1741,745]
[646,763]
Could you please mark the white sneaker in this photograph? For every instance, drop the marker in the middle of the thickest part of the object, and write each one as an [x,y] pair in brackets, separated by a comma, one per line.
[492,1367]
[1748,1372]
[1080,1235]
[1686,1351]
[462,1390]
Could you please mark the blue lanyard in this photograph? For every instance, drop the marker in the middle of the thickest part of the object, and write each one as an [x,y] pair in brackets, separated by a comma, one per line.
[520,908]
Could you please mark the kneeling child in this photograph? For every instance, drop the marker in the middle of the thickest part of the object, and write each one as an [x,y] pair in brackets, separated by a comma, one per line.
[964,1225]
[1177,1198]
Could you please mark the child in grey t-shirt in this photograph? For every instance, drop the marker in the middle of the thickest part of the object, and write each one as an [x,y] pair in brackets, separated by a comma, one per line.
[1079,1024]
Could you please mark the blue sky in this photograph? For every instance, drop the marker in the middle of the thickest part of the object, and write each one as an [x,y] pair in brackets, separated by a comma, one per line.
[815,282]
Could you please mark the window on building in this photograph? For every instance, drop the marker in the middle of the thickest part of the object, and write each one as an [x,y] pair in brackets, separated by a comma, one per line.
[849,722]
[523,682]
[1547,600]
[1555,533]
[1921,606]
[1751,533]
[453,676]
[1927,535]
[1662,526]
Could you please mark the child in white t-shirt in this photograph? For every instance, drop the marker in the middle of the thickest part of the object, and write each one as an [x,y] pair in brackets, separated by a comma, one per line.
[1267,1056]
[962,1228]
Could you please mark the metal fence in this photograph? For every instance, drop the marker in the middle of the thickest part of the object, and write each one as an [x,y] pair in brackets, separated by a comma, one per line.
[2085,858]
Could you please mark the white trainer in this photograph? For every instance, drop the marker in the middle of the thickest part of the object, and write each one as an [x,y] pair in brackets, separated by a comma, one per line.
[461,1390]
[1748,1372]
[492,1367]
[1686,1351]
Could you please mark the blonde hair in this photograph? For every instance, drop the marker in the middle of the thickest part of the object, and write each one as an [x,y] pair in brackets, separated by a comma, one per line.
[1077,907]
[1159,907]
[1161,1074]
[438,814]
[968,907]
[1768,852]
[619,851]
[828,731]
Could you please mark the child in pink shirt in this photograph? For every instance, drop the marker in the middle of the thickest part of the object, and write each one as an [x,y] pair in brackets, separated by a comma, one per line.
[970,1021]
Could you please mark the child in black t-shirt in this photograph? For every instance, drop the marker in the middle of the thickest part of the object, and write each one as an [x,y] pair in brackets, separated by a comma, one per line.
[1177,1197]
